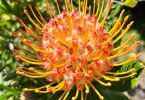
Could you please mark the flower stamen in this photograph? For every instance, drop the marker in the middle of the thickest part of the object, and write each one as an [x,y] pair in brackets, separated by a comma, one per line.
[121,73]
[118,21]
[94,6]
[109,78]
[82,95]
[107,12]
[127,76]
[56,1]
[127,61]
[124,51]
[87,89]
[124,32]
[66,95]
[101,82]
[50,9]
[118,30]
[41,17]
[36,25]
[35,15]
[29,30]
[72,7]
[21,55]
[124,43]
[98,8]
[60,98]
[100,96]
[76,96]
[100,14]
[66,6]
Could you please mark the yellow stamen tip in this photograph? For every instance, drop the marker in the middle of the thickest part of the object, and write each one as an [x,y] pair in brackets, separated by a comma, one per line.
[134,74]
[73,98]
[101,97]
[116,79]
[108,84]
[31,68]
[17,56]
[17,72]
[26,12]
[131,22]
[132,69]
[87,91]
[126,18]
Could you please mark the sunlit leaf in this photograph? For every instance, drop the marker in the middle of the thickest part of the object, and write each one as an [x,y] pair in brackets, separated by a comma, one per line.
[131,3]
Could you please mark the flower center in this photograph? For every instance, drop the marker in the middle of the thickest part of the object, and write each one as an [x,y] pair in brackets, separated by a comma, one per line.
[75,51]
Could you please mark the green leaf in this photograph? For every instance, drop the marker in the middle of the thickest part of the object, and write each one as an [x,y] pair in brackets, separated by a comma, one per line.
[9,61]
[5,96]
[10,75]
[9,89]
[129,83]
[134,82]
[139,68]
[116,11]
[113,95]
[130,3]
[107,93]
[123,85]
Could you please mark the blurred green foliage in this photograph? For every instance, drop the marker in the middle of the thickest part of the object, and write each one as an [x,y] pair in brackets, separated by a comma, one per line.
[11,84]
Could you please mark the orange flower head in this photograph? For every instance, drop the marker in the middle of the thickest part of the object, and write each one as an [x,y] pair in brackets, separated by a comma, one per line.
[74,49]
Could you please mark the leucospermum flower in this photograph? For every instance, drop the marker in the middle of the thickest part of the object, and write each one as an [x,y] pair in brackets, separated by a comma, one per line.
[73,48]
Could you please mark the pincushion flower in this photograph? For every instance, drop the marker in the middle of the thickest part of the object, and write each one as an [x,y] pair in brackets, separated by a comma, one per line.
[73,48]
